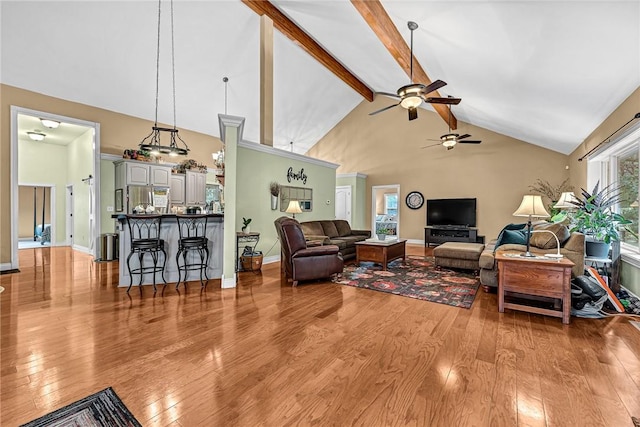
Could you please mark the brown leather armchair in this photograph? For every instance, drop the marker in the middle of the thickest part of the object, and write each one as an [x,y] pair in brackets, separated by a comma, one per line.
[301,262]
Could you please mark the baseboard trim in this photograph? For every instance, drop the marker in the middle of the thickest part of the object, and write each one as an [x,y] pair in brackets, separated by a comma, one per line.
[228,282]
[271,259]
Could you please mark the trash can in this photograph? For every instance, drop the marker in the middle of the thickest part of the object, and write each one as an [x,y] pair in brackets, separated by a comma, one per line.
[108,246]
[251,260]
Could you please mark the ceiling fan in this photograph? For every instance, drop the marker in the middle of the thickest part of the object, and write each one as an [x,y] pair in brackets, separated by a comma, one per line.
[449,140]
[414,94]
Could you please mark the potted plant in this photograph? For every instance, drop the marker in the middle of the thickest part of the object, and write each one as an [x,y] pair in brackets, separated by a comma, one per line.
[274,189]
[383,232]
[245,225]
[594,217]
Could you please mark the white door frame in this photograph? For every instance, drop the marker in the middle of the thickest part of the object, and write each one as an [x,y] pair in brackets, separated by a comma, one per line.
[52,205]
[350,206]
[15,111]
[374,188]
[69,220]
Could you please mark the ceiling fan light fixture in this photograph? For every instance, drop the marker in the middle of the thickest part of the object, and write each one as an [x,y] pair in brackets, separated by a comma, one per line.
[449,141]
[36,136]
[51,124]
[411,101]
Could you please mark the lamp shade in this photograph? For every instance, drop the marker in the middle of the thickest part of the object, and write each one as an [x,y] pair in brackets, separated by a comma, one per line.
[294,207]
[531,206]
[565,201]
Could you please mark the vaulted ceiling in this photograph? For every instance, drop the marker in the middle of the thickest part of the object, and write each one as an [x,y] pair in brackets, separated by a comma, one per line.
[544,72]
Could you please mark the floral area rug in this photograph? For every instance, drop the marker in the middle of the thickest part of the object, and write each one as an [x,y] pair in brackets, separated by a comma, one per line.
[416,278]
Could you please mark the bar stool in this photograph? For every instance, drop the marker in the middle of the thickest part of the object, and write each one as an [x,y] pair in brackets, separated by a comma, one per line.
[144,232]
[192,230]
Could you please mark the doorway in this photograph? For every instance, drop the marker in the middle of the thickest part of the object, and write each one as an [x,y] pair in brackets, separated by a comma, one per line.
[36,204]
[385,209]
[343,203]
[45,159]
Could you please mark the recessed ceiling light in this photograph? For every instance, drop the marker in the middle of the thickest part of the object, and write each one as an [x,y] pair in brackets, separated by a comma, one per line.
[51,124]
[36,136]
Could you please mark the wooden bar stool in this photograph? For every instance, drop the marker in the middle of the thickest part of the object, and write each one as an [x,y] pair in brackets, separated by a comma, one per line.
[144,232]
[193,247]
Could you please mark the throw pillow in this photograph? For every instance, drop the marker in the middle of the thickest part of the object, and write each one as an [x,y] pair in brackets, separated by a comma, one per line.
[514,237]
[507,236]
[546,240]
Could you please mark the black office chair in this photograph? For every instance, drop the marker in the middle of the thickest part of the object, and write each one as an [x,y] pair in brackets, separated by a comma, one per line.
[193,247]
[144,231]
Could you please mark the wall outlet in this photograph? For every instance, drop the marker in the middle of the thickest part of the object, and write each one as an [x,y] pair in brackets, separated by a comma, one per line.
[109,208]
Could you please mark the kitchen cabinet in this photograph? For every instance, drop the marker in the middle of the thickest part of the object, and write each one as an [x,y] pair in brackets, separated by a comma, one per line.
[195,188]
[177,189]
[141,173]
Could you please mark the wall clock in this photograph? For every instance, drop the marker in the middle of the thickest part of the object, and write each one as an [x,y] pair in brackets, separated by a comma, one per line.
[415,200]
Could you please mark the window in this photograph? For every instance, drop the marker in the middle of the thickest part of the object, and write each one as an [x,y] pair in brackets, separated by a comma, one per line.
[619,166]
[391,204]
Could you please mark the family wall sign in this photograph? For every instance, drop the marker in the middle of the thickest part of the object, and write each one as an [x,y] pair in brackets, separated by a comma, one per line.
[298,176]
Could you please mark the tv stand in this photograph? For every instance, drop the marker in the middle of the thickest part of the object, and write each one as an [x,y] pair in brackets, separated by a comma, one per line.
[440,234]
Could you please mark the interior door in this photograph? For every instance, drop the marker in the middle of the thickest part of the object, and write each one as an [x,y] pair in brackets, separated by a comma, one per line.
[343,203]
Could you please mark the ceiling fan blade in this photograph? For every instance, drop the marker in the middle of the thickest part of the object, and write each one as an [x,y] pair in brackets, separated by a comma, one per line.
[395,95]
[434,86]
[466,135]
[413,113]
[452,101]
[384,109]
[432,145]
[469,142]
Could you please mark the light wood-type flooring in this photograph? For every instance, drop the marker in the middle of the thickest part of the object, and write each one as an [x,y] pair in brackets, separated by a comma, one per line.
[267,354]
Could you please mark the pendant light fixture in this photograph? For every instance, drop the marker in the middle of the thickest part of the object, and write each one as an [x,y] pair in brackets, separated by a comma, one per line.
[152,142]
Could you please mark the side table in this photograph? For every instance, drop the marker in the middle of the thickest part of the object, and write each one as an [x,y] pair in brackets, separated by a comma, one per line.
[245,239]
[539,276]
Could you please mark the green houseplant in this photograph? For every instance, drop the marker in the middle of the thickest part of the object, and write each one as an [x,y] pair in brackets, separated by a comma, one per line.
[245,225]
[594,216]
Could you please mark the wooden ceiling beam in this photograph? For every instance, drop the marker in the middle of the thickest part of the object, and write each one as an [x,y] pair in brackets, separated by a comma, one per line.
[377,18]
[287,27]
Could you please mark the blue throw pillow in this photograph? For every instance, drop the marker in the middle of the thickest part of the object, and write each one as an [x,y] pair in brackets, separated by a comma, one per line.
[512,233]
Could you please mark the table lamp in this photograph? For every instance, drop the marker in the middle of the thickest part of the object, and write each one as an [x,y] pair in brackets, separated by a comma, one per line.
[531,206]
[565,201]
[294,208]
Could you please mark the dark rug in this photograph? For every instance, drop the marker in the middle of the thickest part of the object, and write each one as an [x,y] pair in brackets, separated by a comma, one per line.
[101,409]
[417,278]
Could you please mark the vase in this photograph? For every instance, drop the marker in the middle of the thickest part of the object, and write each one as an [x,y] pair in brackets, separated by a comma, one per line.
[382,236]
[247,229]
[274,202]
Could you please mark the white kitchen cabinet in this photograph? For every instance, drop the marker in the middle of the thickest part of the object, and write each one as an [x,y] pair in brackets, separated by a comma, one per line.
[177,189]
[140,173]
[196,187]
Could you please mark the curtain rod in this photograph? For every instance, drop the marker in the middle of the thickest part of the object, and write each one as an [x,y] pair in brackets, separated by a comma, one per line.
[608,139]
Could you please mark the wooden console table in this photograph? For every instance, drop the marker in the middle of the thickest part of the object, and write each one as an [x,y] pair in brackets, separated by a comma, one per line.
[547,277]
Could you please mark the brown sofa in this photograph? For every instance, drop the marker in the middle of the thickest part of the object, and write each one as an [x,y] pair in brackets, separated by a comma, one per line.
[571,246]
[300,262]
[335,232]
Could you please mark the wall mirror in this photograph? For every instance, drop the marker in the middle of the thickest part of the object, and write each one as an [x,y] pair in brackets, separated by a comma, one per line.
[301,194]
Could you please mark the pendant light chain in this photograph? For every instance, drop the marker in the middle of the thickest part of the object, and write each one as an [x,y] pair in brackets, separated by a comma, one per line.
[158,62]
[173,68]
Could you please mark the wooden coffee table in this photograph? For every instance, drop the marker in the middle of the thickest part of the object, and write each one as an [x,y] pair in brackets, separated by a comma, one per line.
[546,277]
[381,251]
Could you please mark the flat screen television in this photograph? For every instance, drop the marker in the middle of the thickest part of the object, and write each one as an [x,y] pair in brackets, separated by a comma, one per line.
[451,212]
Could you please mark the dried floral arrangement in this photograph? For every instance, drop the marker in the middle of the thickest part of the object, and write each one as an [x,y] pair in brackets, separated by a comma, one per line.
[189,164]
[140,155]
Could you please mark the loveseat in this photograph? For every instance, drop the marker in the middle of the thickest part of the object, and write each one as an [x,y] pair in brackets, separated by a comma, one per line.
[335,232]
[571,246]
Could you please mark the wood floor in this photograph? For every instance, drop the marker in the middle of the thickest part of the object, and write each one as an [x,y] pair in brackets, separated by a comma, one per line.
[320,354]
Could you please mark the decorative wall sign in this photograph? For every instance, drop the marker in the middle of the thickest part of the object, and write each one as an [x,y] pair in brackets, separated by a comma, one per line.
[299,176]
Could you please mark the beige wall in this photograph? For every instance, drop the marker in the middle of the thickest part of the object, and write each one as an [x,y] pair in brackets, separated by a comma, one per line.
[118,132]
[387,148]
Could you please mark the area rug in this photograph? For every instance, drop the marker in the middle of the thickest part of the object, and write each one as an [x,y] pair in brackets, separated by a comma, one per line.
[416,278]
[101,409]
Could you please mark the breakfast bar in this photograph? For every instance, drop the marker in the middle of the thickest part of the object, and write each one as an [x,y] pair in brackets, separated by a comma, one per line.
[169,233]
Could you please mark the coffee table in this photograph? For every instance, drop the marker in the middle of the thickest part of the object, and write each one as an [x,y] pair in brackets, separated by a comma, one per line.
[545,277]
[380,251]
